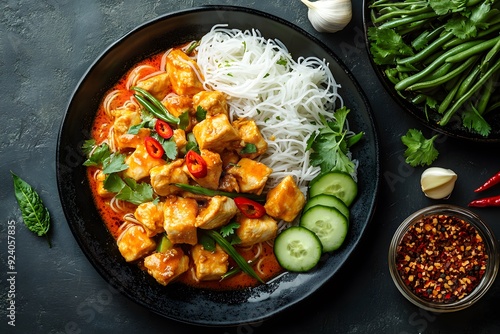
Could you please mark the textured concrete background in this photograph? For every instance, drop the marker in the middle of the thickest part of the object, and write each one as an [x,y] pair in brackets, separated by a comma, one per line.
[45,47]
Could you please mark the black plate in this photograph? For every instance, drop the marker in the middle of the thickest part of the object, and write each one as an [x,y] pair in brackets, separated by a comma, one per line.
[454,128]
[177,301]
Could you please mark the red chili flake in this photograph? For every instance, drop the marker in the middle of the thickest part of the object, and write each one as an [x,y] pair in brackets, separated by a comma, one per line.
[441,258]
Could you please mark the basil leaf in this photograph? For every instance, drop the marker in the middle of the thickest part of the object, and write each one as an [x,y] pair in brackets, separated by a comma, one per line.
[35,215]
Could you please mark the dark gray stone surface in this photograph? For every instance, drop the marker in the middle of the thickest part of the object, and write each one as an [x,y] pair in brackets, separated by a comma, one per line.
[46,46]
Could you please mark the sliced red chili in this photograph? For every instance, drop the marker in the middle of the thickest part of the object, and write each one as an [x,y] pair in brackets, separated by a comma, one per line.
[196,165]
[163,129]
[154,147]
[249,208]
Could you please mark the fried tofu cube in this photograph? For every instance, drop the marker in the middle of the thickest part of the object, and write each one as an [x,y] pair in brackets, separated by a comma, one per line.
[214,170]
[158,85]
[213,102]
[166,267]
[180,139]
[285,201]
[255,230]
[179,220]
[151,217]
[162,176]
[183,72]
[209,265]
[250,134]
[229,183]
[134,243]
[140,163]
[124,119]
[216,133]
[251,175]
[178,104]
[217,213]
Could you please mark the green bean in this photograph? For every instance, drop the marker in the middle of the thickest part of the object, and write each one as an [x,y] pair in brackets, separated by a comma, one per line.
[468,81]
[407,20]
[461,56]
[429,50]
[402,12]
[229,249]
[447,116]
[161,112]
[444,78]
[210,192]
[492,53]
[403,84]
[452,92]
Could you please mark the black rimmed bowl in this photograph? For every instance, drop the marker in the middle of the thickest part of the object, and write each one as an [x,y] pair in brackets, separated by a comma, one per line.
[176,301]
[429,117]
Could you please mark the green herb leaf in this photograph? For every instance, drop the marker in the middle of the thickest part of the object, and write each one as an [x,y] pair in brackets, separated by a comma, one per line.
[88,146]
[201,113]
[184,120]
[282,61]
[249,149]
[114,163]
[331,146]
[229,229]
[420,151]
[207,242]
[191,143]
[387,45]
[35,215]
[472,120]
[443,7]
[129,190]
[97,154]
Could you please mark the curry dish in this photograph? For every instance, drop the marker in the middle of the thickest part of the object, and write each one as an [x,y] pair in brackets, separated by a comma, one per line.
[164,233]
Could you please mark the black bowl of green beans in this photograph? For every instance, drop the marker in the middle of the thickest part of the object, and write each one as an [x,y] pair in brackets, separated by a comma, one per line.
[440,61]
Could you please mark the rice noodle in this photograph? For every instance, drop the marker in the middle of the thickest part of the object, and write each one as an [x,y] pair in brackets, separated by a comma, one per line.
[285,97]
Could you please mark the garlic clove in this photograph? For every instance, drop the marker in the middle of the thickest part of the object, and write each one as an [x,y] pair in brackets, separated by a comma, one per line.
[329,15]
[437,182]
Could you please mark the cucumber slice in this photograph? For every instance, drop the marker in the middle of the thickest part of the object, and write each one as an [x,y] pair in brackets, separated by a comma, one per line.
[338,184]
[297,249]
[328,200]
[328,224]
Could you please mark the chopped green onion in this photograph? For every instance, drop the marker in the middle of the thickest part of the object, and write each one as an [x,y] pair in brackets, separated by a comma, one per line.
[210,192]
[154,106]
[229,249]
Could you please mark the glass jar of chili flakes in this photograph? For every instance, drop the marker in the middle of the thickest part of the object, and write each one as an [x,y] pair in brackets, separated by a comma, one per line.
[443,258]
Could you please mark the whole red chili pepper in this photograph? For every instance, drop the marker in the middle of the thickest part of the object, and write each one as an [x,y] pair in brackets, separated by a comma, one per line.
[163,129]
[196,165]
[495,179]
[153,147]
[487,201]
[249,208]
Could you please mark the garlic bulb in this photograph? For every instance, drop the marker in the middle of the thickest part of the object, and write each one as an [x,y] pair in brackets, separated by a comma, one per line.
[438,183]
[329,15]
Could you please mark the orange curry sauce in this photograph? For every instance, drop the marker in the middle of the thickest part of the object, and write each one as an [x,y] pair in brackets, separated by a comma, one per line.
[269,266]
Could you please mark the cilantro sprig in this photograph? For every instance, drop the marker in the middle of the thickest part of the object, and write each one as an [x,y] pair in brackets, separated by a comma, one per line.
[420,150]
[331,145]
